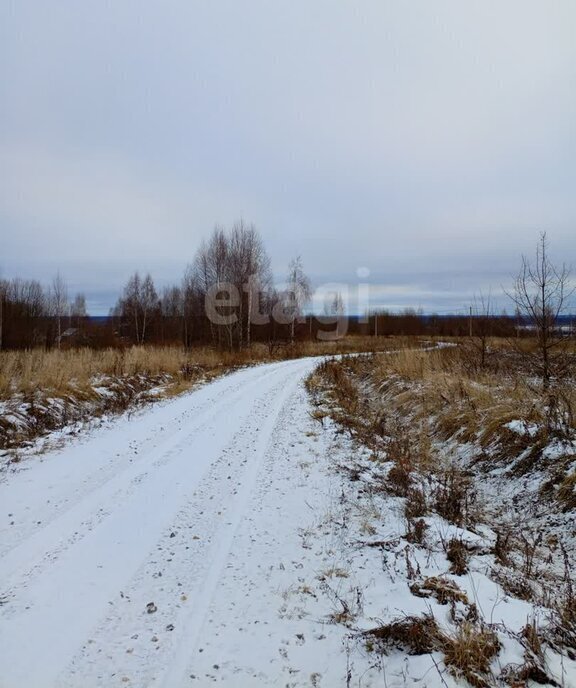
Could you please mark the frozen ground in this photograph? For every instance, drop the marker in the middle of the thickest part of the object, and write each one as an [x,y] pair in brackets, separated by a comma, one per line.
[199,506]
[217,539]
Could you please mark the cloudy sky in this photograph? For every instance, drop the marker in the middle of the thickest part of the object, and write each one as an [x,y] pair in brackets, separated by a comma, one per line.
[427,141]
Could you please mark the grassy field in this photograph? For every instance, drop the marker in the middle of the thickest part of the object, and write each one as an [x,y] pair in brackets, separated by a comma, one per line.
[60,370]
[468,449]
[41,390]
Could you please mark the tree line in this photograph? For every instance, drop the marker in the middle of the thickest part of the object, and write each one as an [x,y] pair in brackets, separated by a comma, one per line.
[227,298]
[33,315]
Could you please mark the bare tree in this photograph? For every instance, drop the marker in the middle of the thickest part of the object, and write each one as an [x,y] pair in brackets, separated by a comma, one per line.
[249,270]
[298,292]
[541,291]
[60,306]
[171,312]
[192,304]
[230,272]
[139,305]
[335,305]
[481,325]
[129,305]
[148,303]
[78,308]
[213,277]
[3,290]
[334,314]
[27,314]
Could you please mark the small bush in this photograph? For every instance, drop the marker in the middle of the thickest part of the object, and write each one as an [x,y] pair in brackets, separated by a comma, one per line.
[414,635]
[566,494]
[399,479]
[416,506]
[454,496]
[469,652]
[458,556]
[416,531]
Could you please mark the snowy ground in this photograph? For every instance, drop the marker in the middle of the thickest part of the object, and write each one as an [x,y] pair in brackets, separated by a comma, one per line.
[218,539]
[200,506]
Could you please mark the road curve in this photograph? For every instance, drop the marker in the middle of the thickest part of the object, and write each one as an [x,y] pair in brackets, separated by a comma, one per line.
[146,510]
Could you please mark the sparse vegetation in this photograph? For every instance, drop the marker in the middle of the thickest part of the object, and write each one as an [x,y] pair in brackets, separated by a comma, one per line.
[414,635]
[457,441]
[469,652]
[43,390]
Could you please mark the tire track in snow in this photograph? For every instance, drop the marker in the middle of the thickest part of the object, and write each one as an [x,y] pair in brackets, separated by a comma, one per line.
[134,453]
[89,510]
[137,645]
[63,602]
[176,673]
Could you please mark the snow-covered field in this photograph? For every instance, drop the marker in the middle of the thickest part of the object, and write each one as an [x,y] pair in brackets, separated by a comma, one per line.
[166,549]
[218,538]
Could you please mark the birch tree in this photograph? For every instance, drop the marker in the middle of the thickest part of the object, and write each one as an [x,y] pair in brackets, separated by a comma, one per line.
[148,304]
[129,304]
[59,302]
[541,293]
[298,293]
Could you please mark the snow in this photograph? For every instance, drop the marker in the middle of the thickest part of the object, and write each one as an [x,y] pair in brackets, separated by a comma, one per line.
[193,504]
[228,510]
[521,427]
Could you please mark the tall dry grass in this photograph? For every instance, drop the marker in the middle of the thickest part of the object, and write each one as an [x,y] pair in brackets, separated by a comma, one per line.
[59,372]
[448,396]
[46,390]
[408,403]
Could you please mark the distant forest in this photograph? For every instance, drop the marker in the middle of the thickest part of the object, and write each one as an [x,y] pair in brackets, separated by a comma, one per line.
[226,299]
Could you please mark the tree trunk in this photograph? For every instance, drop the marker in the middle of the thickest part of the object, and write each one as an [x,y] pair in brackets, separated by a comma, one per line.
[248,342]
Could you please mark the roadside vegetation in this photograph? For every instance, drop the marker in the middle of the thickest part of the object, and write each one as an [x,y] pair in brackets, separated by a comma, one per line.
[477,454]
[45,390]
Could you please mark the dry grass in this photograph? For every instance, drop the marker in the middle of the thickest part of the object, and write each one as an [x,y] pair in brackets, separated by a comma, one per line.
[416,532]
[458,556]
[454,496]
[469,652]
[62,370]
[436,423]
[412,634]
[567,492]
[446,393]
[442,589]
[47,390]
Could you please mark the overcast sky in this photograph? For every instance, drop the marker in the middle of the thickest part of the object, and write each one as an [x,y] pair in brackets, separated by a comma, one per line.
[428,141]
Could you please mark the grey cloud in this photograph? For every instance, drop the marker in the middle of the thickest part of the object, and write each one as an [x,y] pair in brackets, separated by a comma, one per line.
[414,138]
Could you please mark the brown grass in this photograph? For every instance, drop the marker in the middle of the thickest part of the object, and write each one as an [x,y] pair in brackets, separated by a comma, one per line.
[416,533]
[415,410]
[62,370]
[442,394]
[59,372]
[567,492]
[458,556]
[412,634]
[454,496]
[31,381]
[442,589]
[469,652]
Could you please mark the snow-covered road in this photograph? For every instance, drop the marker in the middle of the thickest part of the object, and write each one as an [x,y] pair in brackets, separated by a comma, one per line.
[155,550]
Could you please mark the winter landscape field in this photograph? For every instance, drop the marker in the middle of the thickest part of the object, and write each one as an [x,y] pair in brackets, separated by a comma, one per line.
[404,516]
[288,344]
